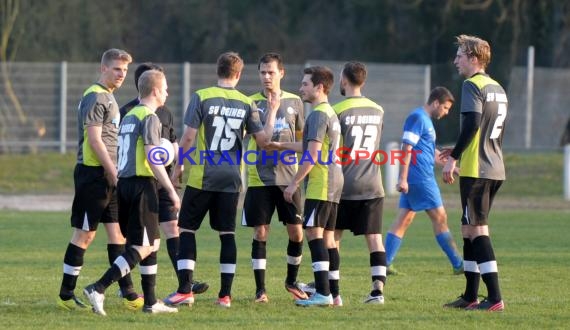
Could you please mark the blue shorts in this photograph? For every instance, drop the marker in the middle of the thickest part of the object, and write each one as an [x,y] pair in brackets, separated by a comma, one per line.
[421,196]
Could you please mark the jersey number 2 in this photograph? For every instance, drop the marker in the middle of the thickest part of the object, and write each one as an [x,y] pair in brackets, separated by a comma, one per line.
[498,126]
[363,139]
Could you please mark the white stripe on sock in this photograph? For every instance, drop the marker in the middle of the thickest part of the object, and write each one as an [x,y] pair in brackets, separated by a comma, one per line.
[123,265]
[378,271]
[294,260]
[71,270]
[228,268]
[470,266]
[149,270]
[258,263]
[185,264]
[320,266]
[488,267]
[334,275]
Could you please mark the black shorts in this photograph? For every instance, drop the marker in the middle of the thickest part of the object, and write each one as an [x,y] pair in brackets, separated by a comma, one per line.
[320,214]
[361,217]
[165,207]
[138,210]
[221,205]
[261,202]
[477,197]
[94,201]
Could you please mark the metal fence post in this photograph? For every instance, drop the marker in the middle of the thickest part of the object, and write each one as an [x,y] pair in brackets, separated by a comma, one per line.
[566,180]
[529,91]
[427,81]
[185,90]
[391,170]
[63,108]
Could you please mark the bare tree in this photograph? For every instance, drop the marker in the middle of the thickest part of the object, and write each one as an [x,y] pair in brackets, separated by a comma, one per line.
[9,10]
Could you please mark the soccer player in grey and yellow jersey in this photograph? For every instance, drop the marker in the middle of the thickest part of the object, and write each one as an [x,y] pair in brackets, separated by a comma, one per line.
[216,119]
[167,216]
[137,190]
[95,179]
[268,177]
[319,167]
[362,200]
[483,113]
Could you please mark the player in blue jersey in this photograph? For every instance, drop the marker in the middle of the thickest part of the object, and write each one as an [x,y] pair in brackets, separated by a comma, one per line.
[417,184]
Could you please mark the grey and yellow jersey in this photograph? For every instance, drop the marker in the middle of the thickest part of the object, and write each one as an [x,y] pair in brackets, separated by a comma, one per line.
[361,122]
[97,108]
[483,157]
[221,116]
[264,171]
[325,180]
[138,128]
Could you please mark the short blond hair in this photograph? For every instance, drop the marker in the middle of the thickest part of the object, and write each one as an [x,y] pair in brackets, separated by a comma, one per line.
[148,81]
[115,54]
[473,46]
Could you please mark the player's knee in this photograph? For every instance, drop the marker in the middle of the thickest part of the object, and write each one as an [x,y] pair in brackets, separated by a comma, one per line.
[170,229]
[295,233]
[440,221]
[83,238]
[260,233]
[114,234]
[144,251]
[374,240]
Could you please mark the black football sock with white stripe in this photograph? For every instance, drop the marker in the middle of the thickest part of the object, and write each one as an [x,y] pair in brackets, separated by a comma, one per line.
[148,268]
[72,264]
[320,264]
[258,261]
[294,257]
[172,245]
[228,258]
[334,271]
[121,267]
[125,283]
[471,269]
[378,269]
[488,266]
[186,261]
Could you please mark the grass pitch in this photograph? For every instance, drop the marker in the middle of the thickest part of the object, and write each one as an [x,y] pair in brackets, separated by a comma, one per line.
[531,246]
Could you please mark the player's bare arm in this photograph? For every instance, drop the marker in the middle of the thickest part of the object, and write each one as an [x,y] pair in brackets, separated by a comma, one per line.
[313,148]
[402,185]
[442,154]
[186,142]
[441,157]
[175,146]
[295,146]
[262,140]
[96,143]
[273,103]
[160,174]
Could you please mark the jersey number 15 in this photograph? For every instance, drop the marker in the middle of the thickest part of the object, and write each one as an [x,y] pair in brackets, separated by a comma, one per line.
[225,127]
